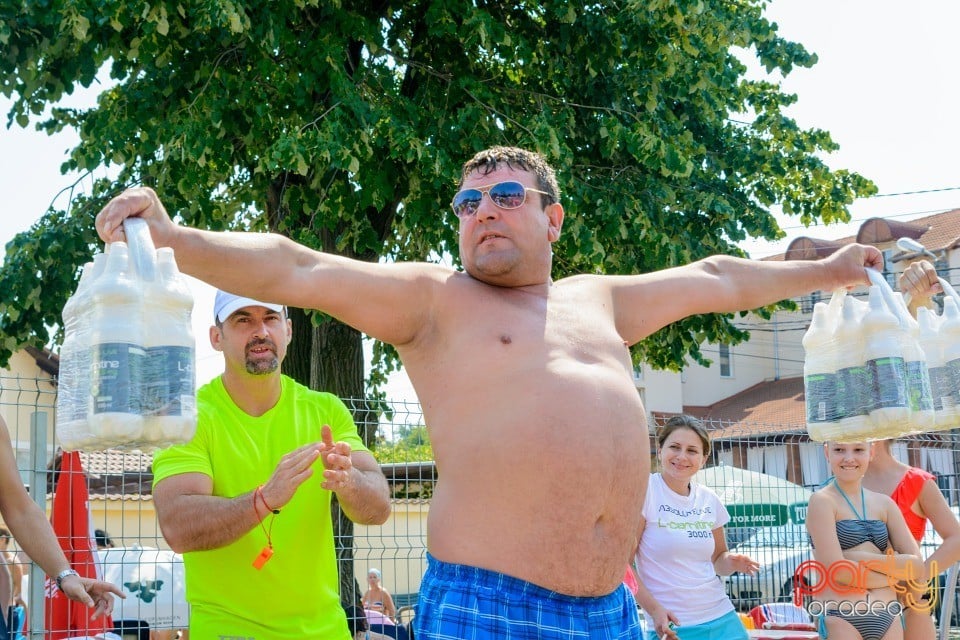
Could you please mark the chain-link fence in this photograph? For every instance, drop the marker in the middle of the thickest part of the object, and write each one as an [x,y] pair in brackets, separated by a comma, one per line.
[764,473]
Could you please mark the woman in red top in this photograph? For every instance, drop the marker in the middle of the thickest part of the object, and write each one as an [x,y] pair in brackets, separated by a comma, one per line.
[916,493]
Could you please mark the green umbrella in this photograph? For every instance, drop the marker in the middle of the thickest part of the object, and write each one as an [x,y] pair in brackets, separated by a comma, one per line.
[756,499]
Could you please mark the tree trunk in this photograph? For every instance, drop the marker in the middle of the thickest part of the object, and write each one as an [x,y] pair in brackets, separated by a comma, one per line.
[297,363]
[329,358]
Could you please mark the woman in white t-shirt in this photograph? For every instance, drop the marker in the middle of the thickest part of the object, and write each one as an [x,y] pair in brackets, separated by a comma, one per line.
[682,544]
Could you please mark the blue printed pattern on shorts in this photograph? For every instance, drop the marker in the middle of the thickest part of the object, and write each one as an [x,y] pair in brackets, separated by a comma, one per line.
[458,602]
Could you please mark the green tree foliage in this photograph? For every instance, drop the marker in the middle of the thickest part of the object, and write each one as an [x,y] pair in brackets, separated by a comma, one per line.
[343,123]
[410,444]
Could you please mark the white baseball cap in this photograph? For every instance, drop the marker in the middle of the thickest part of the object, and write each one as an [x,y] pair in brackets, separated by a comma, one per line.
[226,303]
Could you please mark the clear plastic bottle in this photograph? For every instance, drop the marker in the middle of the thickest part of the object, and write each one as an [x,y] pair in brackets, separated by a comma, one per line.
[73,380]
[117,355]
[170,384]
[820,375]
[883,352]
[919,393]
[950,338]
[853,376]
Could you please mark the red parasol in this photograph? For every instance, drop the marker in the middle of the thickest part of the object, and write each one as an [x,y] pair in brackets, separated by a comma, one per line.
[65,618]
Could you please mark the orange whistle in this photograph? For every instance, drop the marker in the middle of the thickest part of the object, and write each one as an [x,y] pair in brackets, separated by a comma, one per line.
[261,559]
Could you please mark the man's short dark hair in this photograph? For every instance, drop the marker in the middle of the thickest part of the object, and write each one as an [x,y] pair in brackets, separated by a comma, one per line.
[102,539]
[489,160]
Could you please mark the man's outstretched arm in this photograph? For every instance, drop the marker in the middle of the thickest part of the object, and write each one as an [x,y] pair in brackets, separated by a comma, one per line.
[724,284]
[391,302]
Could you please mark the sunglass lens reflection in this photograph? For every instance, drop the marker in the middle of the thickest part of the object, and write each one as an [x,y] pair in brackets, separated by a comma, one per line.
[508,195]
[466,202]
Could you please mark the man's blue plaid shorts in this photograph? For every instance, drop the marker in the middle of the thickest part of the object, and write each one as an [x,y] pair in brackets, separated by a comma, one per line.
[459,602]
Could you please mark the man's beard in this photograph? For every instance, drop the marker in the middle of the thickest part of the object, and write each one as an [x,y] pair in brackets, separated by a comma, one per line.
[262,367]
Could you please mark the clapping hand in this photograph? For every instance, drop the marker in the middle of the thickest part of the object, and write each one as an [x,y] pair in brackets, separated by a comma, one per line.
[337,463]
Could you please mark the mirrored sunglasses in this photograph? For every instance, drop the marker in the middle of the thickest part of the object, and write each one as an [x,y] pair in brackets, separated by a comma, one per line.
[506,195]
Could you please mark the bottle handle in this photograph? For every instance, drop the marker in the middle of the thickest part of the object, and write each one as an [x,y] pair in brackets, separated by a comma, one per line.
[949,290]
[143,255]
[894,305]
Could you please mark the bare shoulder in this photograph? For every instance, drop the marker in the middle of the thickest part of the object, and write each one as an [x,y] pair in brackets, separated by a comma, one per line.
[881,503]
[586,284]
[820,500]
[423,270]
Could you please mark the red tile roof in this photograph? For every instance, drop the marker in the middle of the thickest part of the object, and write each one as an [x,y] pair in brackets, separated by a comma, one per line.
[112,475]
[774,407]
[937,231]
[943,230]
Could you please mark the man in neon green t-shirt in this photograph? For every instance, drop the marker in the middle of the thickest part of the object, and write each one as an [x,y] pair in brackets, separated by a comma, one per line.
[241,500]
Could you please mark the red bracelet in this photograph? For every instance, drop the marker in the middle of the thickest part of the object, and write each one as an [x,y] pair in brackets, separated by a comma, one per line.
[259,492]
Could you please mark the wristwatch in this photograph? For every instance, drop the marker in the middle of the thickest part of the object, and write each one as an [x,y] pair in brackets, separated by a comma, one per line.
[63,574]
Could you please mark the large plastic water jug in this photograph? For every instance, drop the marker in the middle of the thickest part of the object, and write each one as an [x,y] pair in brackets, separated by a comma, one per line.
[116,350]
[950,337]
[73,379]
[820,375]
[883,353]
[170,383]
[919,394]
[854,382]
[127,362]
[941,384]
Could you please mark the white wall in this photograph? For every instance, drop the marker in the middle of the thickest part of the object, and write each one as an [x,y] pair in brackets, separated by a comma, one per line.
[662,391]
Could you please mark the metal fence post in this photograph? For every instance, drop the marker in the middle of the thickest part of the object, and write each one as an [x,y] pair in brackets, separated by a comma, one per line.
[38,492]
[946,606]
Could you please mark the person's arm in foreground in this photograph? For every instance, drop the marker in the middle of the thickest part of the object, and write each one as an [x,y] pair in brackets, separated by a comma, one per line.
[725,562]
[390,302]
[29,526]
[645,303]
[945,523]
[193,519]
[661,617]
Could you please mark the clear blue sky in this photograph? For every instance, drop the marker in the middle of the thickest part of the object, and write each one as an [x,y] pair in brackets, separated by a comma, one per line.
[885,88]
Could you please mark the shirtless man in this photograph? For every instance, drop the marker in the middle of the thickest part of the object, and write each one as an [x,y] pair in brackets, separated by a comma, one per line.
[539,435]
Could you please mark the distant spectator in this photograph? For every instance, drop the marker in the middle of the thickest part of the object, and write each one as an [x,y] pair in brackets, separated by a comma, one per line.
[103,539]
[14,597]
[359,629]
[377,598]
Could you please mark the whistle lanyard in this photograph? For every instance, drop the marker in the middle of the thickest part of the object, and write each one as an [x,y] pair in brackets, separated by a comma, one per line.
[267,552]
